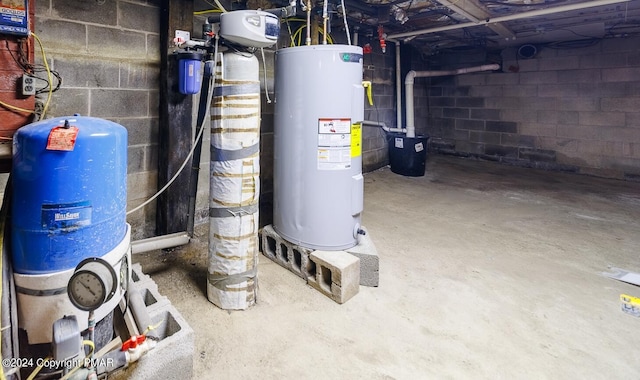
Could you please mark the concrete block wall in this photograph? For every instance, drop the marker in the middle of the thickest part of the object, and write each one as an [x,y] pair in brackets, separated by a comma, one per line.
[107,53]
[571,109]
[379,68]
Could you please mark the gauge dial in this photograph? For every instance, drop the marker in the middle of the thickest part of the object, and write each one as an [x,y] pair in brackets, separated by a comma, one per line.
[92,284]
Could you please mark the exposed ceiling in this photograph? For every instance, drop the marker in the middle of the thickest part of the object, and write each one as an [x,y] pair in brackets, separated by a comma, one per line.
[436,25]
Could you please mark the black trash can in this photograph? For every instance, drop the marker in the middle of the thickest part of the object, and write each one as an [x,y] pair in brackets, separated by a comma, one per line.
[408,155]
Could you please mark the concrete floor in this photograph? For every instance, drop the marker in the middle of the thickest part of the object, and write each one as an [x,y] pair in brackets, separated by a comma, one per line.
[487,272]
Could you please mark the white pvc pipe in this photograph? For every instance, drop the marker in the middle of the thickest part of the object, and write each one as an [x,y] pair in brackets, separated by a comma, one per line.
[383,125]
[160,242]
[410,79]
[516,16]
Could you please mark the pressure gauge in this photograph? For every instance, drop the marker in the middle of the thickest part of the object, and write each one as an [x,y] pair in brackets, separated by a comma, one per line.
[93,283]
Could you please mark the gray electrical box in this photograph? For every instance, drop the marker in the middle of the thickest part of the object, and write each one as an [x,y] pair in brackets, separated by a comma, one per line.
[67,341]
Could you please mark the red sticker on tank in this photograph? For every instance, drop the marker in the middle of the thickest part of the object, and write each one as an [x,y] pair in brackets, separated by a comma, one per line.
[61,138]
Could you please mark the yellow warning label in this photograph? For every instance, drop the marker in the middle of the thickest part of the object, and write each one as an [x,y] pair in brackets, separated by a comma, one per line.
[356,139]
[634,301]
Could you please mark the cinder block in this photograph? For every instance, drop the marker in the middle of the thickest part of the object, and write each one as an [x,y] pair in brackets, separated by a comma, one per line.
[472,102]
[505,102]
[290,256]
[148,289]
[87,72]
[139,17]
[369,261]
[87,11]
[561,63]
[604,118]
[298,260]
[70,101]
[172,357]
[626,74]
[462,113]
[579,76]
[471,79]
[551,90]
[501,79]
[62,36]
[139,75]
[539,77]
[268,241]
[485,137]
[118,103]
[624,104]
[337,274]
[114,42]
[577,104]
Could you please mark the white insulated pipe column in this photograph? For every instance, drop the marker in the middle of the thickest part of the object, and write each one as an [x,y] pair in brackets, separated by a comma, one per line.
[235,182]
[410,79]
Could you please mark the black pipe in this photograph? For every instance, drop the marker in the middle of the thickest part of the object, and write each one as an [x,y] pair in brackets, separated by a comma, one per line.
[197,151]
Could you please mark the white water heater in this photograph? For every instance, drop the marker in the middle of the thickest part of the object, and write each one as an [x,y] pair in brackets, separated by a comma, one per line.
[318,183]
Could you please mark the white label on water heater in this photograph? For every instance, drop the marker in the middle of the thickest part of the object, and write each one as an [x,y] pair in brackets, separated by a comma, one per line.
[419,147]
[334,144]
[399,142]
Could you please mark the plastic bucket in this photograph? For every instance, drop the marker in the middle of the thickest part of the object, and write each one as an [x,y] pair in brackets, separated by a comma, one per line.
[408,155]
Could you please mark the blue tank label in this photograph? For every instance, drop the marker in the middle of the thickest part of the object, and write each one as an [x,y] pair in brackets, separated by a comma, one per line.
[65,216]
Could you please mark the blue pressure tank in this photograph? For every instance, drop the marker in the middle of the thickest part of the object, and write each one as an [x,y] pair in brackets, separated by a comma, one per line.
[69,192]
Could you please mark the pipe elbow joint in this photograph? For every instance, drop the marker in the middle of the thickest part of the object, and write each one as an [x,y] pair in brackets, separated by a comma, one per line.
[410,78]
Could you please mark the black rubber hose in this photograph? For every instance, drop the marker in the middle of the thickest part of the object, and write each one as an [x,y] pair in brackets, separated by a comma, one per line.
[195,160]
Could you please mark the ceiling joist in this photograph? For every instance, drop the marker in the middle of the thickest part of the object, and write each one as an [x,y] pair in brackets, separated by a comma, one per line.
[474,13]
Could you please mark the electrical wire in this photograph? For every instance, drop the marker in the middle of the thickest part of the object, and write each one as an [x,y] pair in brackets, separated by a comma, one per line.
[308,39]
[220,6]
[46,65]
[546,3]
[264,72]
[216,5]
[197,13]
[14,108]
[152,327]
[38,369]
[81,362]
[298,35]
[32,69]
[3,218]
[286,20]
[346,24]
[165,187]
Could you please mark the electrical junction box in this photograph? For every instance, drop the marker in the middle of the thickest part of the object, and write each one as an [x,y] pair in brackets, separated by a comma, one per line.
[28,85]
[250,28]
[14,17]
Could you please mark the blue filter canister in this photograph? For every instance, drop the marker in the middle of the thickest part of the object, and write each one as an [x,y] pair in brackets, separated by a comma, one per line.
[189,64]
